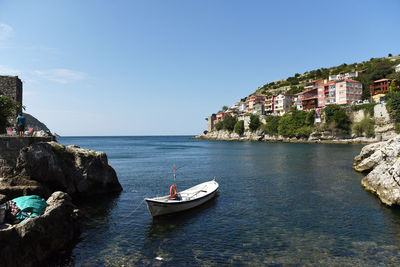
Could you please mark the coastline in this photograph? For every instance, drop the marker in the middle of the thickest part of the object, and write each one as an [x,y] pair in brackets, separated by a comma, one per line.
[261,137]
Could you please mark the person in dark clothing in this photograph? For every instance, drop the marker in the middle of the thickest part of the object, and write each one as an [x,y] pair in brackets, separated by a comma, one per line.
[20,123]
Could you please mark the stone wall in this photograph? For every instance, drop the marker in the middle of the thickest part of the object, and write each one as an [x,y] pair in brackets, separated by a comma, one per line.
[11,86]
[380,112]
[10,147]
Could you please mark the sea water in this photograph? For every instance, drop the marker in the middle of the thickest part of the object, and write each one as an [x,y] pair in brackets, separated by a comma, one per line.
[278,204]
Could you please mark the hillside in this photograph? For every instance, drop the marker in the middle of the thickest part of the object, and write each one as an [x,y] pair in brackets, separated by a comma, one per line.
[375,69]
[35,123]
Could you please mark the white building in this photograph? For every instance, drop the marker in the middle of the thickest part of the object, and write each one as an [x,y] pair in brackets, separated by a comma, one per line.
[283,103]
[398,68]
[240,106]
[344,75]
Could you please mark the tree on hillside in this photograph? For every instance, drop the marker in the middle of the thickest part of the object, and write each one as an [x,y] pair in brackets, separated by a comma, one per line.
[330,111]
[390,55]
[342,120]
[8,107]
[336,116]
[393,106]
[254,123]
[224,108]
[219,126]
[271,125]
[229,123]
[239,127]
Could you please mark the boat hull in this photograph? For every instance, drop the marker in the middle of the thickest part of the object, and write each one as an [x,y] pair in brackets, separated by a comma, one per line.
[158,208]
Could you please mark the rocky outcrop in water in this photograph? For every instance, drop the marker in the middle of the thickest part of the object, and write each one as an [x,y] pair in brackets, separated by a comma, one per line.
[70,169]
[382,163]
[33,241]
[42,168]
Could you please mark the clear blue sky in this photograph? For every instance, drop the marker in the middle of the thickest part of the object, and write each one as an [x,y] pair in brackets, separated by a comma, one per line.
[161,67]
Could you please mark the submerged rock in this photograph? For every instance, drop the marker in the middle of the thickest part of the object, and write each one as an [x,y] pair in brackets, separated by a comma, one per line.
[71,169]
[382,163]
[33,241]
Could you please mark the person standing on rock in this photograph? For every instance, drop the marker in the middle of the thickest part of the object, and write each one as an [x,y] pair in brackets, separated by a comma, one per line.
[20,123]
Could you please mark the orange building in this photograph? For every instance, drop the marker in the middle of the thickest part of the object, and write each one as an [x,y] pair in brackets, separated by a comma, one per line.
[380,87]
[254,100]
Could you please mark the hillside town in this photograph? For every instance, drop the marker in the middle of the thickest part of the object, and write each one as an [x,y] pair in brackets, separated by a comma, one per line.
[340,89]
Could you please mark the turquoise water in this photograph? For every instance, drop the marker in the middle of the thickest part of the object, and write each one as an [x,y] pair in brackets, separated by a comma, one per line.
[279,205]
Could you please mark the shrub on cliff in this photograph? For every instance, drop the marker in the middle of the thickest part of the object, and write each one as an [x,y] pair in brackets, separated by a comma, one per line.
[271,125]
[239,127]
[368,108]
[254,123]
[229,123]
[218,126]
[303,132]
[364,127]
[342,120]
[7,109]
[337,117]
[393,106]
[297,124]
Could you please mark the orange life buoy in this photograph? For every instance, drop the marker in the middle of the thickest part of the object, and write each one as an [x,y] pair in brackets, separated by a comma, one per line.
[173,191]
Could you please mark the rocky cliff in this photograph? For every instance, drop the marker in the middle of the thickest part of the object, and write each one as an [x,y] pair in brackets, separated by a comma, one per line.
[33,241]
[381,162]
[46,169]
[71,169]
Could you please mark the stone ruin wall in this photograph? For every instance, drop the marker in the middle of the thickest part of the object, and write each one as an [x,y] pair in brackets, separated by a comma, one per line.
[11,86]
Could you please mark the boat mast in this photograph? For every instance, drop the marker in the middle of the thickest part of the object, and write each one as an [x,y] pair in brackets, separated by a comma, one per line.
[175,175]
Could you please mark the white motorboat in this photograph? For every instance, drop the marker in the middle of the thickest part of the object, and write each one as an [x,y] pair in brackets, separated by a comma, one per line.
[184,200]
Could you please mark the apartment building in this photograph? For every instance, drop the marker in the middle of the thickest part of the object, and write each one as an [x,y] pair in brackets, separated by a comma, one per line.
[380,87]
[269,104]
[254,100]
[322,93]
[345,75]
[283,103]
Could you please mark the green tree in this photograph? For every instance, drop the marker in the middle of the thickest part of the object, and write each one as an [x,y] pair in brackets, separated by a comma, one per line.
[229,123]
[271,125]
[239,127]
[393,106]
[297,124]
[366,126]
[341,119]
[225,108]
[219,126]
[254,123]
[303,132]
[285,127]
[8,107]
[330,112]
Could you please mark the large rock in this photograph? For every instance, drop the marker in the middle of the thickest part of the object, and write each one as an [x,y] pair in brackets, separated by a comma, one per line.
[382,163]
[19,186]
[70,169]
[33,241]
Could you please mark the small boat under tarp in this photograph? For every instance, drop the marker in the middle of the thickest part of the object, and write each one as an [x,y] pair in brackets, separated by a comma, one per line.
[184,200]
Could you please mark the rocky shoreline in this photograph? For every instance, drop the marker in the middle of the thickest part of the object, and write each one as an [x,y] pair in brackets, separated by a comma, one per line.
[381,163]
[260,136]
[59,174]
